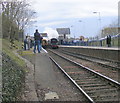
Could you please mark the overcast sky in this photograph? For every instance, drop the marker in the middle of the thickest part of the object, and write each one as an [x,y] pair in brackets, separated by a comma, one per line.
[76,14]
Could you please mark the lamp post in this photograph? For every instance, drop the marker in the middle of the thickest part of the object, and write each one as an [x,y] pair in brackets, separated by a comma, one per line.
[73,31]
[80,21]
[82,27]
[99,18]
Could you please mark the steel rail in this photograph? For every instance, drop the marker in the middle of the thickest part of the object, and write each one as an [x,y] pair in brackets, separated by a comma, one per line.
[73,81]
[92,71]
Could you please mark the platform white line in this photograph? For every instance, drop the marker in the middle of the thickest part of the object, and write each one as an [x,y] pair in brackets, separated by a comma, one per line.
[44,50]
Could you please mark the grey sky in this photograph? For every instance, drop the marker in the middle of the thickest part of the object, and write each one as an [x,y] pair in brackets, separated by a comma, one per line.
[66,13]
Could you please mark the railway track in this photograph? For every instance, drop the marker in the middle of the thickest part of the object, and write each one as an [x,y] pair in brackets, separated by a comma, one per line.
[95,86]
[105,63]
[109,71]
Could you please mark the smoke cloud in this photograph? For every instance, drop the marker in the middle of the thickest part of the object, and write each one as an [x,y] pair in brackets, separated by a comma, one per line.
[51,32]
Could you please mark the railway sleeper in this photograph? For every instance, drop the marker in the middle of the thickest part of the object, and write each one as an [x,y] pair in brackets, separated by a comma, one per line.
[96,88]
[92,85]
[73,70]
[89,82]
[80,73]
[82,76]
[72,67]
[97,92]
[80,79]
[104,97]
[77,73]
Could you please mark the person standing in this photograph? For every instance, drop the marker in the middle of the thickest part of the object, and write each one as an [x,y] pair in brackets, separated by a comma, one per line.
[25,43]
[28,42]
[38,40]
[108,41]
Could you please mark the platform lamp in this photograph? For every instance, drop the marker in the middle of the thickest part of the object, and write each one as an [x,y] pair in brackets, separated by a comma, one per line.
[80,21]
[99,18]
[73,31]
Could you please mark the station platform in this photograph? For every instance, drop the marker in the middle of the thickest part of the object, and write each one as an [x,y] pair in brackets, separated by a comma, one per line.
[45,76]
[107,53]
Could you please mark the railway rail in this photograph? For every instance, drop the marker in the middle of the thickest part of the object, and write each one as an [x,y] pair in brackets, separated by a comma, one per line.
[110,71]
[95,86]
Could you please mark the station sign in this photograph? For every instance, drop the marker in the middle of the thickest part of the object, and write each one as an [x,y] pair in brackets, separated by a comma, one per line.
[63,30]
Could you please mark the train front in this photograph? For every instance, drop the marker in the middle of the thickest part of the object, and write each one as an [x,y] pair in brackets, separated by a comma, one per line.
[54,43]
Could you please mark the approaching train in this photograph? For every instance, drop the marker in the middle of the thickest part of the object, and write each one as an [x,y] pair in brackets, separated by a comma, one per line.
[44,43]
[54,43]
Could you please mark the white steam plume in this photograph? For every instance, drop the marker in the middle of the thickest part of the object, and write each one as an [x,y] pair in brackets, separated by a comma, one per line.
[51,33]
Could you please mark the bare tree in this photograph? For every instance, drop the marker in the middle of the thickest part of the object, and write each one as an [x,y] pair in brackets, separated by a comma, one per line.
[16,15]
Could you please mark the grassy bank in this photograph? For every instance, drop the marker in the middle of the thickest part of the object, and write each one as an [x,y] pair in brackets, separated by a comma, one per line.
[29,55]
[6,48]
[13,72]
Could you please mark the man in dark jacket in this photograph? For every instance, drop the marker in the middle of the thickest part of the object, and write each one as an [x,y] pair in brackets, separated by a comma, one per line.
[38,40]
[108,41]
